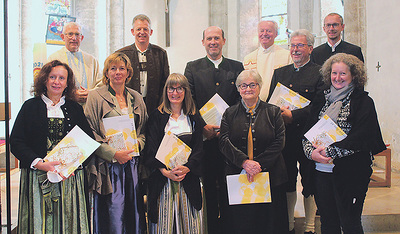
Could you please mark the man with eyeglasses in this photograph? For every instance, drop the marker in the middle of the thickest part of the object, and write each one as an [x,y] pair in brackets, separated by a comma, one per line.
[333,27]
[207,76]
[85,66]
[268,56]
[304,78]
[149,63]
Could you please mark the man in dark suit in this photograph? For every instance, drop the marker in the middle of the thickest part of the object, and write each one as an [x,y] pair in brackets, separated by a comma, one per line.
[149,63]
[333,27]
[208,76]
[304,78]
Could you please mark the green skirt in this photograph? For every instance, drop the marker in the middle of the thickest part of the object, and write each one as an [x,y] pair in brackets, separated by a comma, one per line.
[45,207]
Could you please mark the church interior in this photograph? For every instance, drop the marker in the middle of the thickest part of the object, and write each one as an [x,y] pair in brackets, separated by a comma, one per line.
[178,27]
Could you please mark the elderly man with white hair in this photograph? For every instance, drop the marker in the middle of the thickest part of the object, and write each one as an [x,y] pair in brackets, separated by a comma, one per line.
[85,66]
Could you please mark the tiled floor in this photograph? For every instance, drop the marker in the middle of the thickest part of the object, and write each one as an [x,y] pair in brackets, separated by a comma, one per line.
[379,201]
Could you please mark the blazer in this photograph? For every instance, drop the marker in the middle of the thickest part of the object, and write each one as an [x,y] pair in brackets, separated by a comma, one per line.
[268,131]
[28,138]
[321,53]
[205,80]
[157,72]
[191,183]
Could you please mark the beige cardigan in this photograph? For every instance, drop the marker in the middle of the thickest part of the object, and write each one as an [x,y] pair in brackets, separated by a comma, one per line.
[99,105]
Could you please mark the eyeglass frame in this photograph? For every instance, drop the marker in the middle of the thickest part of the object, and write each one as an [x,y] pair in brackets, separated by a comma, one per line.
[243,86]
[71,35]
[175,89]
[334,25]
[299,46]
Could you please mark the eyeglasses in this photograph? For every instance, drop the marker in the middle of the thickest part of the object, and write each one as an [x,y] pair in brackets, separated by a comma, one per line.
[299,46]
[177,89]
[335,25]
[71,35]
[244,86]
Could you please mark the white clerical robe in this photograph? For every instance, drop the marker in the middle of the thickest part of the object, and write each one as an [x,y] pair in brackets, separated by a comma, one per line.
[86,67]
[266,61]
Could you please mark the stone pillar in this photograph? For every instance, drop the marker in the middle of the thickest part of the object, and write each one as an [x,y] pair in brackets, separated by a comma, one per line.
[219,17]
[115,25]
[86,16]
[355,23]
[248,21]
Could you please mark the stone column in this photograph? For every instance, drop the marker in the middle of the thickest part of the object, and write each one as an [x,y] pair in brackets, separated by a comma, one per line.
[86,16]
[248,21]
[219,17]
[115,25]
[355,23]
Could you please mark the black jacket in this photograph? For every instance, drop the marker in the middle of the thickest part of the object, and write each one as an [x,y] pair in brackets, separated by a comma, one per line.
[154,135]
[28,138]
[321,53]
[268,139]
[205,80]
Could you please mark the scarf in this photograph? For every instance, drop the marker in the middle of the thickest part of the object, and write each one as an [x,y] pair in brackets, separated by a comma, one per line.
[335,98]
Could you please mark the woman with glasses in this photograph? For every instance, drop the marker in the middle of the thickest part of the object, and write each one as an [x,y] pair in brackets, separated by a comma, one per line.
[252,138]
[174,196]
[114,173]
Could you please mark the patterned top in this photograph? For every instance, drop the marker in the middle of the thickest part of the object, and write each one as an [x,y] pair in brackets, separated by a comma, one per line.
[333,151]
[56,132]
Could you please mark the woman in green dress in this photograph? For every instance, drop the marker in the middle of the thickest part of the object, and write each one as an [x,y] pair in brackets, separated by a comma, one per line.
[42,122]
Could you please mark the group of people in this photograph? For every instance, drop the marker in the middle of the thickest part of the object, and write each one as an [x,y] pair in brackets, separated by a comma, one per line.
[106,194]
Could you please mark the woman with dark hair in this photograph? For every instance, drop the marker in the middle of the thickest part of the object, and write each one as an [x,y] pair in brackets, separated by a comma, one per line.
[42,122]
[114,174]
[343,169]
[175,197]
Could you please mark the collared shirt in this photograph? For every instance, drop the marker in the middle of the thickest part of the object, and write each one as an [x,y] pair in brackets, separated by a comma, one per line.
[178,126]
[143,74]
[248,109]
[215,62]
[335,45]
[298,68]
[53,110]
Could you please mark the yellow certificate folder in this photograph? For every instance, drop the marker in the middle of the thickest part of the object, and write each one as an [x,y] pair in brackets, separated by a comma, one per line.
[71,152]
[283,96]
[213,110]
[173,151]
[241,191]
[124,124]
[325,132]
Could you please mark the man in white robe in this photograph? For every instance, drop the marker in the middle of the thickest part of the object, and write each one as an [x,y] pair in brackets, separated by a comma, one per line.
[85,66]
[268,56]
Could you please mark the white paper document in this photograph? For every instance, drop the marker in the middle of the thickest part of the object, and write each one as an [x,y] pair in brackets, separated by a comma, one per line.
[283,96]
[71,152]
[241,191]
[325,132]
[213,110]
[125,125]
[172,151]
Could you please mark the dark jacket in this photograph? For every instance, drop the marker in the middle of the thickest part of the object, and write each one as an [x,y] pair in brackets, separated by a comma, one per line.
[154,135]
[364,137]
[307,82]
[28,138]
[321,53]
[205,80]
[157,72]
[268,139]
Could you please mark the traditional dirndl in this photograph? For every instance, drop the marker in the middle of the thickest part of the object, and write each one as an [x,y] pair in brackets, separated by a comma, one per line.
[45,207]
[175,213]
